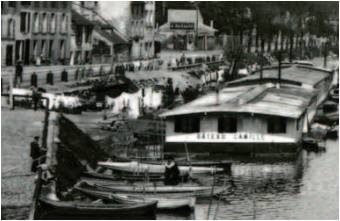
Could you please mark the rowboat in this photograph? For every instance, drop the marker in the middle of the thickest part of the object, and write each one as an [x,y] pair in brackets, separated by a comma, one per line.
[118,177]
[135,167]
[51,209]
[184,191]
[166,203]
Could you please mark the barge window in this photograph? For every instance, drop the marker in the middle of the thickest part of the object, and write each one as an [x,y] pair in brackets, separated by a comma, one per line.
[187,124]
[227,125]
[276,125]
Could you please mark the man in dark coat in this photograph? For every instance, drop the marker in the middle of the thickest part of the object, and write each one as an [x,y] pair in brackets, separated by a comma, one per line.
[18,74]
[35,97]
[36,153]
[171,176]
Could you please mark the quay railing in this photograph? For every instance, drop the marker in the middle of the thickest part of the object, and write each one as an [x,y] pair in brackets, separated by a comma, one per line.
[191,66]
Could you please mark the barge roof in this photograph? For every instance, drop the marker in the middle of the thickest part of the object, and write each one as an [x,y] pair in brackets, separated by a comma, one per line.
[263,99]
[299,74]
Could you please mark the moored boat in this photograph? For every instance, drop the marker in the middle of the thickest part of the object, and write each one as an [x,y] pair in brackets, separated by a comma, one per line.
[137,168]
[51,209]
[118,177]
[163,202]
[264,113]
[199,191]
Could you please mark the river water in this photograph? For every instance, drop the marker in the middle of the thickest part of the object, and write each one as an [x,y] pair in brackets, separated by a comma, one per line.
[305,187]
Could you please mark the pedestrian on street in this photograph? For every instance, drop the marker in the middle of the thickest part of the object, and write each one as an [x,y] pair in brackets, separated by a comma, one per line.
[18,74]
[64,76]
[35,97]
[36,153]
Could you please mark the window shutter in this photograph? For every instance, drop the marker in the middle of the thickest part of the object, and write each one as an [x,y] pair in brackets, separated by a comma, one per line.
[28,22]
[59,22]
[40,22]
[48,18]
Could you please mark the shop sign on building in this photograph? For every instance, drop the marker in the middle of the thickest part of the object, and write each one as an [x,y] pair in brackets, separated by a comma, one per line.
[182,25]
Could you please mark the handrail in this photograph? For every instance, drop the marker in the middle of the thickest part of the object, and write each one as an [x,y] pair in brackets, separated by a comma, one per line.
[194,65]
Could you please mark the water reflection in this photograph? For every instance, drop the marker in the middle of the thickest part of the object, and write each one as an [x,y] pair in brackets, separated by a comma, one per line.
[301,187]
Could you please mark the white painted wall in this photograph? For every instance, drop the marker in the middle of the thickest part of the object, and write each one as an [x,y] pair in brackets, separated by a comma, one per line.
[256,125]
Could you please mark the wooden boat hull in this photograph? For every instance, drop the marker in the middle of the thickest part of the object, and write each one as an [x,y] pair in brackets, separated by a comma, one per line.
[198,191]
[164,203]
[68,209]
[119,177]
[137,168]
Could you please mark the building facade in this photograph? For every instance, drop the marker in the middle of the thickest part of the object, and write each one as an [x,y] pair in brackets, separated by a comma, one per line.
[105,37]
[181,27]
[142,29]
[35,32]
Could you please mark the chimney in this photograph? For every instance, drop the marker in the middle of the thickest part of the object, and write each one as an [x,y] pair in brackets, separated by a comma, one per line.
[212,23]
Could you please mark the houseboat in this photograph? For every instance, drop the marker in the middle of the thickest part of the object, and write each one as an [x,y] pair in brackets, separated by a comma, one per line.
[257,118]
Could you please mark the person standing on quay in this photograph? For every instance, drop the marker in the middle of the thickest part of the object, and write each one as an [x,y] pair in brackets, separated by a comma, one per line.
[35,97]
[18,74]
[36,153]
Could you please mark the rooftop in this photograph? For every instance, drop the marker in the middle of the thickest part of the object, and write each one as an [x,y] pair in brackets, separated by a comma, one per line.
[263,99]
[298,74]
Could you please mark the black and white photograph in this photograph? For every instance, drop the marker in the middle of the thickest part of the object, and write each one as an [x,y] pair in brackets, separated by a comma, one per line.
[169,110]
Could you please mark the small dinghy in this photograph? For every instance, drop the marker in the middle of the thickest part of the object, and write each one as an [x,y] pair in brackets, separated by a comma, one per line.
[198,191]
[51,209]
[118,177]
[135,167]
[165,203]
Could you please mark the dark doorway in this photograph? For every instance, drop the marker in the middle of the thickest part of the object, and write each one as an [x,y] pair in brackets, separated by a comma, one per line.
[9,55]
[27,52]
[180,42]
[157,47]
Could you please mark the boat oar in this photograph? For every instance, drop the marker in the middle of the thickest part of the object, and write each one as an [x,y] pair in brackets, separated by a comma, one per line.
[211,195]
[188,159]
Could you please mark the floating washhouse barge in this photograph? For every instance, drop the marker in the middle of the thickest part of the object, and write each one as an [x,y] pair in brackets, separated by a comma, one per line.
[251,115]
